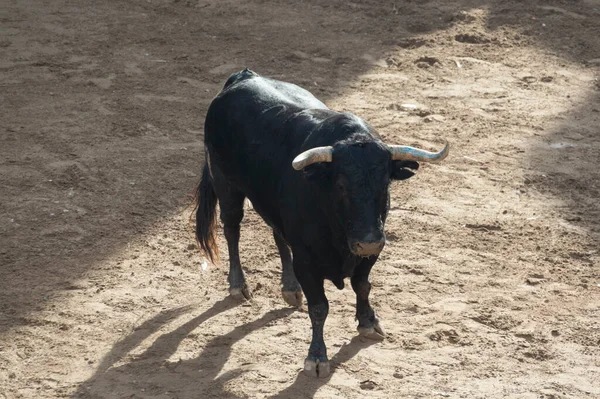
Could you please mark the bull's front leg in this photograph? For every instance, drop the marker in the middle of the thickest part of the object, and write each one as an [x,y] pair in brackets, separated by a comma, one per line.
[290,289]
[316,363]
[368,323]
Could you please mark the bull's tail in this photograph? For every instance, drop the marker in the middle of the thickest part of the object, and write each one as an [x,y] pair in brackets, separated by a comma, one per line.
[206,222]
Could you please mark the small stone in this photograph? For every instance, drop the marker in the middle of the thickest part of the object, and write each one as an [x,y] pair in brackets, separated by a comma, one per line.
[555,333]
[408,107]
[368,385]
[374,61]
[300,54]
[433,118]
[430,61]
[529,79]
[534,281]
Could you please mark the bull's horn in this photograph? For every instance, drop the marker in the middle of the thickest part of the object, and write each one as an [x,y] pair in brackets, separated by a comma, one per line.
[405,153]
[314,155]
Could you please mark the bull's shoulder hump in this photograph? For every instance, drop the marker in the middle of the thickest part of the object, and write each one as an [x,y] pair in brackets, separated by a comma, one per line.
[239,76]
[269,92]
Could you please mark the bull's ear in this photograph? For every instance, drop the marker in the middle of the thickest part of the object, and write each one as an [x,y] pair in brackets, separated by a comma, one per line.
[401,170]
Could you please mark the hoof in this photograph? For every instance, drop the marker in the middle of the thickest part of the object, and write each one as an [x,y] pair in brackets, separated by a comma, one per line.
[292,298]
[316,368]
[375,333]
[241,294]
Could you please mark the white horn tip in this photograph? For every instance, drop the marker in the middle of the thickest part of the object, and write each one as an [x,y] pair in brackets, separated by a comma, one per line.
[299,162]
[444,152]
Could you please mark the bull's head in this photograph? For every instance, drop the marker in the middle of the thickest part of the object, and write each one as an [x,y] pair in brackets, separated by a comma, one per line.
[359,174]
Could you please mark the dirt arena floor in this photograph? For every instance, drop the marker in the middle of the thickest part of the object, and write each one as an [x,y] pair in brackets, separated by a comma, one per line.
[489,286]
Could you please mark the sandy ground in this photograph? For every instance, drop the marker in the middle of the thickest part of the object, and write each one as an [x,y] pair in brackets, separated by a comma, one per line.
[489,286]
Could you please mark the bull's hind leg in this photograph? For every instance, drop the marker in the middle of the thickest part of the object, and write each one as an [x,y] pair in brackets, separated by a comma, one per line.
[290,289]
[231,216]
[368,323]
[231,202]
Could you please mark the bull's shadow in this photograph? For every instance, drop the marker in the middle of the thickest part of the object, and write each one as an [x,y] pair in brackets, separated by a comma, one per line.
[152,364]
[164,346]
[197,377]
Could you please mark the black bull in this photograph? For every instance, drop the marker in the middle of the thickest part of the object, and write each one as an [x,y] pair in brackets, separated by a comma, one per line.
[319,178]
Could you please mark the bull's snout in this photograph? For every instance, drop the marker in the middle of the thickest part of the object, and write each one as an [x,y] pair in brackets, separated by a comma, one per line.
[370,245]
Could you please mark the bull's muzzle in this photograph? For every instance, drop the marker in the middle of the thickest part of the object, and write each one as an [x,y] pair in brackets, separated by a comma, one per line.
[371,245]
